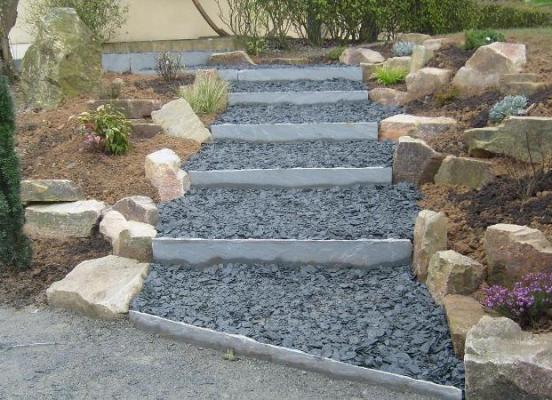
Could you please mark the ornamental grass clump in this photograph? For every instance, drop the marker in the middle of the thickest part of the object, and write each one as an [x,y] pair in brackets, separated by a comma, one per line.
[403,49]
[390,76]
[510,105]
[526,303]
[208,94]
[15,248]
[107,129]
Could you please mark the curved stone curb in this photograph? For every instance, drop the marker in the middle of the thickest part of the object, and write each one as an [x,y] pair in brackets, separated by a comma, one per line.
[292,178]
[299,98]
[296,132]
[248,347]
[292,74]
[364,253]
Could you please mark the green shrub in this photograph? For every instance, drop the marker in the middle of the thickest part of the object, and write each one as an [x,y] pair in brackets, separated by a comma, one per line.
[476,39]
[102,17]
[390,76]
[169,66]
[208,94]
[510,105]
[335,53]
[107,129]
[15,249]
[511,16]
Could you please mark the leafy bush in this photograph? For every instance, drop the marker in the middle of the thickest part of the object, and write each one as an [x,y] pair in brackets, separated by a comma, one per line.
[510,105]
[402,49]
[102,17]
[335,53]
[526,303]
[499,16]
[15,249]
[208,94]
[107,129]
[476,39]
[169,66]
[390,76]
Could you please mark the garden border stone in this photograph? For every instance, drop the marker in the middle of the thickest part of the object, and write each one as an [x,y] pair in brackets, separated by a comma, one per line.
[243,345]
[288,132]
[363,253]
[299,98]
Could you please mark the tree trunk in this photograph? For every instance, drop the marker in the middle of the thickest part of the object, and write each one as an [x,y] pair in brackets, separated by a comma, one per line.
[219,31]
[8,16]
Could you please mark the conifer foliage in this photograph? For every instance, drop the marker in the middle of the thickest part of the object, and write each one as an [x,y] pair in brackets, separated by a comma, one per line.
[15,249]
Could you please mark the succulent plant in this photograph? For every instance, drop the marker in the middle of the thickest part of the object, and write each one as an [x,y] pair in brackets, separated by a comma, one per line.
[402,49]
[510,105]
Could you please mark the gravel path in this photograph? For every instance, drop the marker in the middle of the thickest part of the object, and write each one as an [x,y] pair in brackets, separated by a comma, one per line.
[113,360]
[381,318]
[296,86]
[350,213]
[345,111]
[307,154]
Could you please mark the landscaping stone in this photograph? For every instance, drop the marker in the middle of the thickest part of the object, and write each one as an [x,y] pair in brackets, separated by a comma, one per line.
[427,81]
[394,127]
[139,209]
[413,37]
[100,288]
[238,57]
[421,55]
[450,272]
[484,69]
[398,63]
[430,236]
[388,97]
[164,173]
[112,224]
[415,161]
[464,171]
[64,61]
[63,220]
[49,191]
[368,70]
[142,129]
[503,362]
[179,120]
[463,312]
[512,137]
[134,241]
[513,251]
[522,84]
[434,44]
[356,56]
[131,108]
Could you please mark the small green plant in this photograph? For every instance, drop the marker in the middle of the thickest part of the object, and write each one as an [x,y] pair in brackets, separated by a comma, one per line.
[476,39]
[169,66]
[390,76]
[510,105]
[335,53]
[230,355]
[403,49]
[208,94]
[446,96]
[107,129]
[254,45]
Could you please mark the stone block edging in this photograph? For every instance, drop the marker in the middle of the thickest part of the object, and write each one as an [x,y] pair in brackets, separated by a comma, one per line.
[364,253]
[299,98]
[287,132]
[292,178]
[248,347]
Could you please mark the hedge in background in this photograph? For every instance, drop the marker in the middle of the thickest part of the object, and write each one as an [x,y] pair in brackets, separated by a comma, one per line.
[506,17]
[15,249]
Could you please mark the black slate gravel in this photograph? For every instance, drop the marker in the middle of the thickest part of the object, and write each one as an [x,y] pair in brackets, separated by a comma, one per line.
[272,66]
[296,86]
[307,154]
[355,212]
[381,318]
[343,111]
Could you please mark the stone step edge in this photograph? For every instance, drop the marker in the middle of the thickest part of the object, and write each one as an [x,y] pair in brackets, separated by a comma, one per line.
[245,346]
[363,253]
[292,177]
[319,73]
[290,132]
[298,98]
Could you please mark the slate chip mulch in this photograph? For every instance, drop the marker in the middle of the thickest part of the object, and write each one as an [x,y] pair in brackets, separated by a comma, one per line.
[296,86]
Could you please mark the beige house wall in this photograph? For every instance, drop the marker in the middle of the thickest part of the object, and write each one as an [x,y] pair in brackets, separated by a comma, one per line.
[148,20]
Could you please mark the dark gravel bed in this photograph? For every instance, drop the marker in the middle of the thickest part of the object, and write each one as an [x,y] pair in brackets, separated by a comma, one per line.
[296,86]
[344,111]
[271,66]
[381,318]
[355,212]
[307,154]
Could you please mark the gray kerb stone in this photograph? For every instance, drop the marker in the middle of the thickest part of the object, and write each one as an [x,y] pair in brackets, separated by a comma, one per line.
[298,98]
[364,253]
[294,177]
[248,347]
[296,132]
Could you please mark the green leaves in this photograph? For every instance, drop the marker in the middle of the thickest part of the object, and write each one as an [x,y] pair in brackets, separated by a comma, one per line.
[110,129]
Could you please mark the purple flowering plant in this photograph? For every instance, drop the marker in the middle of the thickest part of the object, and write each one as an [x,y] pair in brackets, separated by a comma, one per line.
[526,303]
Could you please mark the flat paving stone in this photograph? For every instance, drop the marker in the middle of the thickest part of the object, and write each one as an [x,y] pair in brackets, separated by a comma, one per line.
[355,212]
[382,319]
[307,154]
